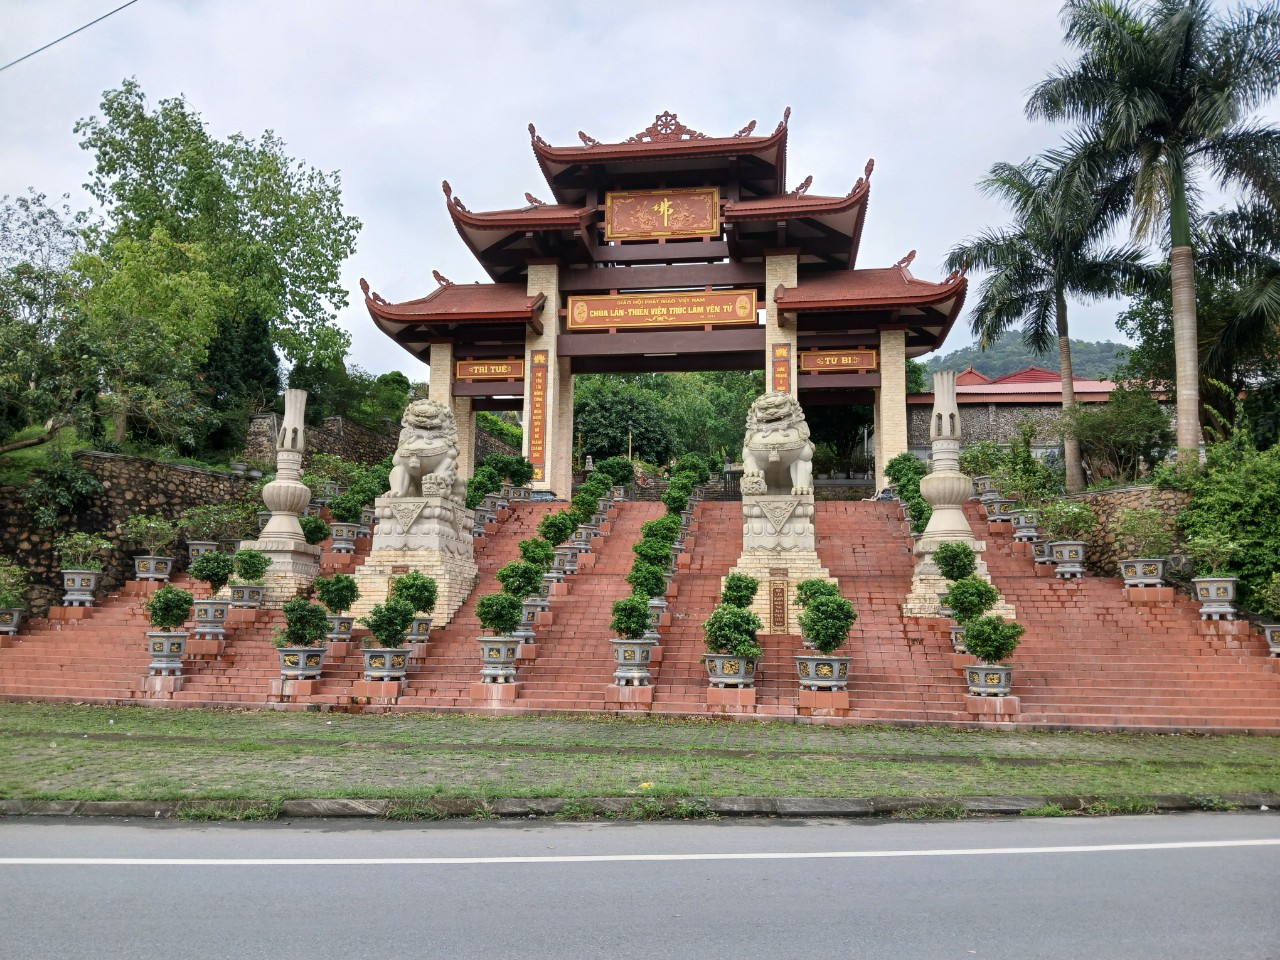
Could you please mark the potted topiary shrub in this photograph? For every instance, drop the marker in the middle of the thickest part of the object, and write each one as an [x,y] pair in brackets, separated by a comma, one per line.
[1269,607]
[955,560]
[634,641]
[1067,523]
[739,590]
[992,640]
[1215,586]
[969,598]
[809,590]
[202,525]
[13,596]
[81,558]
[247,589]
[346,509]
[154,534]
[305,625]
[419,591]
[824,460]
[1145,539]
[388,623]
[215,569]
[338,593]
[499,614]
[168,608]
[824,624]
[731,634]
[314,530]
[537,551]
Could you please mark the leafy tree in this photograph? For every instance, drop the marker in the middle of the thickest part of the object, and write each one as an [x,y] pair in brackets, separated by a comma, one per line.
[607,411]
[1162,94]
[1120,435]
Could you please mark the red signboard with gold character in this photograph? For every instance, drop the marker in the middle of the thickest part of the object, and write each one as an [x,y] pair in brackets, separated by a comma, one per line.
[780,365]
[656,310]
[839,361]
[538,414]
[650,214]
[489,370]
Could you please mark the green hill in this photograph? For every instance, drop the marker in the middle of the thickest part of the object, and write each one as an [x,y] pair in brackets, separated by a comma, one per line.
[1090,361]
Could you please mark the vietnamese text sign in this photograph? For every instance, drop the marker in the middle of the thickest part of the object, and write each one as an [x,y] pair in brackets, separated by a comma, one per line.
[655,310]
[489,370]
[538,414]
[780,364]
[651,214]
[839,361]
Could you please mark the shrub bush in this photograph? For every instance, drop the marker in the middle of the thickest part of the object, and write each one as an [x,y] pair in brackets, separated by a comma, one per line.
[693,465]
[346,507]
[59,490]
[739,590]
[992,639]
[656,552]
[214,568]
[389,622]
[520,579]
[665,528]
[251,565]
[13,585]
[733,630]
[416,589]
[338,593]
[81,551]
[169,607]
[1024,476]
[809,590]
[499,613]
[305,624]
[675,502]
[557,527]
[1144,534]
[825,622]
[314,530]
[538,552]
[512,467]
[905,472]
[647,579]
[504,430]
[982,459]
[955,560]
[482,483]
[620,471]
[1213,553]
[1067,519]
[151,531]
[970,597]
[630,617]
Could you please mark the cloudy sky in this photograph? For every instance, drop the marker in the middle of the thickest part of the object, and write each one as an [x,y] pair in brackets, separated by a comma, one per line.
[400,95]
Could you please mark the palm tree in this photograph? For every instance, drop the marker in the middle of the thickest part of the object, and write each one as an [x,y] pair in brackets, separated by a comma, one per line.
[1052,250]
[1162,93]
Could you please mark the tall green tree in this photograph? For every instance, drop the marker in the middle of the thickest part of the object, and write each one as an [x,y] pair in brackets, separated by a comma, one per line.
[1163,94]
[1053,249]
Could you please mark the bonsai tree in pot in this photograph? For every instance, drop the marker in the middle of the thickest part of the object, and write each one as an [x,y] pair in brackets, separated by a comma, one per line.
[168,609]
[388,623]
[731,634]
[1269,607]
[499,614]
[214,568]
[1214,582]
[520,578]
[739,590]
[825,624]
[247,589]
[808,591]
[13,596]
[154,534]
[654,551]
[315,530]
[347,510]
[556,527]
[1067,523]
[82,565]
[955,560]
[969,598]
[338,593]
[305,626]
[634,641]
[202,525]
[538,552]
[419,591]
[647,580]
[1146,540]
[992,640]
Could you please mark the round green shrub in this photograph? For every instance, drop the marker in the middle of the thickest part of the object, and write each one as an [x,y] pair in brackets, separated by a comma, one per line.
[969,598]
[314,530]
[809,590]
[825,622]
[214,568]
[152,531]
[520,579]
[739,590]
[619,470]
[389,622]
[346,507]
[338,593]
[666,528]
[499,613]
[539,552]
[13,585]
[1067,519]
[992,639]
[630,617]
[733,630]
[169,607]
[955,560]
[647,579]
[81,551]
[416,589]
[694,465]
[557,527]
[656,552]
[251,565]
[305,624]
[675,502]
[482,483]
[511,467]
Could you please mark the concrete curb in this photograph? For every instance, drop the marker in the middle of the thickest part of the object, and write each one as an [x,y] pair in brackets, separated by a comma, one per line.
[626,807]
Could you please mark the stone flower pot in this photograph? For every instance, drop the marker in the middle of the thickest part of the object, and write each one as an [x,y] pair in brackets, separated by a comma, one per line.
[1024,527]
[166,648]
[1272,631]
[983,484]
[152,568]
[989,679]
[197,547]
[210,615]
[340,627]
[327,492]
[301,663]
[420,629]
[498,656]
[264,517]
[1217,596]
[1002,510]
[385,663]
[79,586]
[730,670]
[1143,573]
[229,544]
[632,662]
[247,595]
[344,536]
[957,637]
[1040,552]
[1069,557]
[820,671]
[368,517]
[10,620]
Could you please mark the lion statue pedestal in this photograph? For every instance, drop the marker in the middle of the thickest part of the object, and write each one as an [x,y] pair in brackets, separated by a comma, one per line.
[422,522]
[778,537]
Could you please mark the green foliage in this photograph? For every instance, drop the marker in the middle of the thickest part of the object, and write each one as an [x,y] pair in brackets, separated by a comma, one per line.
[169,607]
[520,579]
[824,457]
[733,630]
[367,482]
[647,579]
[1266,602]
[604,407]
[416,589]
[656,552]
[666,528]
[152,531]
[1144,533]
[739,590]
[825,622]
[59,490]
[969,598]
[557,527]
[346,507]
[809,590]
[1024,476]
[538,552]
[81,551]
[1118,436]
[630,617]
[13,585]
[314,529]
[676,501]
[917,381]
[499,613]
[905,472]
[1010,352]
[511,467]
[620,471]
[494,425]
[333,467]
[482,483]
[1213,553]
[982,459]
[305,624]
[1067,519]
[338,593]
[583,505]
[213,521]
[251,565]
[214,568]
[955,560]
[694,465]
[389,622]
[992,639]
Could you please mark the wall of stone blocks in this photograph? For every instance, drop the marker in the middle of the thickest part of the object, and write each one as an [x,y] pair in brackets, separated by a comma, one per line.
[337,436]
[1104,555]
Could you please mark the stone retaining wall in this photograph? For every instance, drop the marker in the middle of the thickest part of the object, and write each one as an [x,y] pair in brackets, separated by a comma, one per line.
[338,436]
[487,443]
[1104,554]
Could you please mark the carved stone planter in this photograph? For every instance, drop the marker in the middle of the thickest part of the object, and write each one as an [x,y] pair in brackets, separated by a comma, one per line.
[197,547]
[1272,631]
[10,620]
[1217,596]
[152,568]
[1040,552]
[247,595]
[1001,510]
[729,670]
[340,627]
[210,615]
[498,656]
[822,671]
[368,517]
[957,638]
[1143,573]
[632,660]
[344,536]
[301,663]
[79,587]
[385,663]
[989,679]
[983,485]
[1069,556]
[420,630]
[229,544]
[1024,527]
[264,517]
[166,648]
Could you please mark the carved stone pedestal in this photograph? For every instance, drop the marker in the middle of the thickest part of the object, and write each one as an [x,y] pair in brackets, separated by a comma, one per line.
[778,549]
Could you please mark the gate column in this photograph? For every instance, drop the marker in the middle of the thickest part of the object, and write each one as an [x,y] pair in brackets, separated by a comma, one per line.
[781,269]
[545,445]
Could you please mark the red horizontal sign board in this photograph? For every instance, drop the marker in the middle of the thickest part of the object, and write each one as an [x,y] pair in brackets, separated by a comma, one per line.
[489,370]
[657,310]
[839,361]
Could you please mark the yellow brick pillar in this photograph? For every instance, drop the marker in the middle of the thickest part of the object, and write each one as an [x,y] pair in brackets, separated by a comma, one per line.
[561,459]
[875,446]
[891,430]
[466,418]
[440,383]
[543,422]
[781,268]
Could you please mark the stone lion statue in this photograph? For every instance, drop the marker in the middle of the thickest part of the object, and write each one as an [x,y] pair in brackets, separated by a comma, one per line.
[426,460]
[776,454]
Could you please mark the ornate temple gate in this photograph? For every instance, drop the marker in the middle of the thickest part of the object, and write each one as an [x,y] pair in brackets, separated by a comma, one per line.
[669,251]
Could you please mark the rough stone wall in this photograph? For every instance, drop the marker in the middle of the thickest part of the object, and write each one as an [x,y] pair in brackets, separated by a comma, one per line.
[1104,554]
[997,422]
[338,436]
[487,443]
[131,485]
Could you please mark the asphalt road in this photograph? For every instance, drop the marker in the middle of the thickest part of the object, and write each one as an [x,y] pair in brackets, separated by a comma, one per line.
[1197,886]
